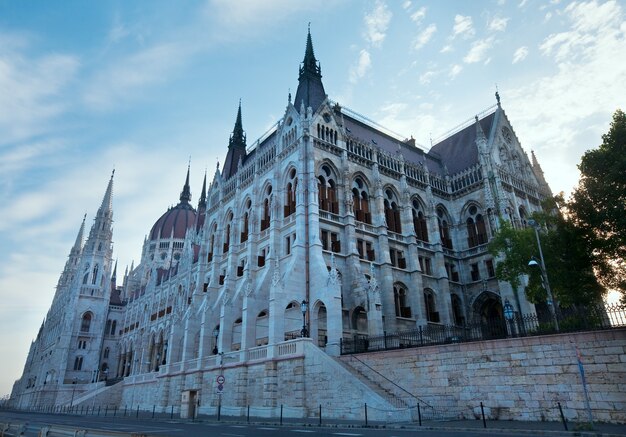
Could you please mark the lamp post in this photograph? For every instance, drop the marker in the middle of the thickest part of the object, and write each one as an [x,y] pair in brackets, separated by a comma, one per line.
[552,304]
[303,307]
[509,313]
[73,391]
[216,334]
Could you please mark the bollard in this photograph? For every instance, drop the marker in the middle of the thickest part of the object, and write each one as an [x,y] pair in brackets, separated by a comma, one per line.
[366,414]
[248,419]
[562,416]
[419,414]
[219,411]
[482,412]
[99,410]
[153,407]
[106,410]
[172,412]
[137,415]
[281,414]
[115,411]
[320,415]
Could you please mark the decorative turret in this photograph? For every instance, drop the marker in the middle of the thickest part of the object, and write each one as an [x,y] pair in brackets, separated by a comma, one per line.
[202,200]
[185,195]
[310,88]
[236,148]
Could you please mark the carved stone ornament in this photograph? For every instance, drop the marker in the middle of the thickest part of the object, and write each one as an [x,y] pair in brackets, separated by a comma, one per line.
[248,288]
[276,274]
[333,274]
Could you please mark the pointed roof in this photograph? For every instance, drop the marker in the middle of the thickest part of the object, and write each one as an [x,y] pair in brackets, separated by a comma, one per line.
[185,195]
[114,275]
[107,200]
[236,148]
[202,200]
[79,238]
[310,88]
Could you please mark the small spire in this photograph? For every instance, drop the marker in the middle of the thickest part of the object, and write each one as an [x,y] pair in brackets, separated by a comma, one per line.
[185,195]
[202,201]
[79,238]
[107,201]
[238,137]
[114,275]
[480,133]
[310,92]
[498,98]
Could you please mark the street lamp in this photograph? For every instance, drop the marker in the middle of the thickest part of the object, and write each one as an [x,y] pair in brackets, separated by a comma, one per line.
[216,334]
[303,308]
[509,313]
[73,391]
[544,274]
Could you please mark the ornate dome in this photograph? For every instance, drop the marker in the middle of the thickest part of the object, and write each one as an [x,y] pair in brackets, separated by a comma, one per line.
[175,222]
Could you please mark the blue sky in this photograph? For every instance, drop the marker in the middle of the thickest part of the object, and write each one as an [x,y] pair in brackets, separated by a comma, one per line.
[142,86]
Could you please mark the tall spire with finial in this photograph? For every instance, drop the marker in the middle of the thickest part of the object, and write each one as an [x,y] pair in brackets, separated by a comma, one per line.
[310,88]
[202,201]
[236,147]
[78,244]
[185,195]
[107,200]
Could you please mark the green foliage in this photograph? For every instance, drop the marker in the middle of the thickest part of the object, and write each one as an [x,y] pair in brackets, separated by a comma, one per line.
[515,248]
[598,206]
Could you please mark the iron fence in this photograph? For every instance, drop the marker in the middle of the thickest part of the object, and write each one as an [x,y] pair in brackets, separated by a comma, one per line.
[519,325]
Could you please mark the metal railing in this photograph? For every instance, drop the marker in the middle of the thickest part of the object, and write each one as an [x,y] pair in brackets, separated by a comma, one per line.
[570,320]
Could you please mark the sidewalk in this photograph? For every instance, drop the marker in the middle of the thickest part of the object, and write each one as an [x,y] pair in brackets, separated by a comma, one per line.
[536,428]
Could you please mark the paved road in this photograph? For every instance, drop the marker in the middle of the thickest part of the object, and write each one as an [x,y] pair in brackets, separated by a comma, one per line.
[196,429]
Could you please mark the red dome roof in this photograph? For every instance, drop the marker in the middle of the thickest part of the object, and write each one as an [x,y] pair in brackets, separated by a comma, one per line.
[177,219]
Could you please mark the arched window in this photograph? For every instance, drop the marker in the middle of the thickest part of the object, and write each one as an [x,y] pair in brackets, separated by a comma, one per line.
[476,230]
[444,228]
[265,220]
[212,243]
[290,194]
[94,277]
[429,304]
[327,191]
[392,212]
[106,352]
[85,323]
[457,310]
[246,221]
[360,201]
[401,301]
[78,363]
[113,326]
[107,329]
[419,221]
[227,230]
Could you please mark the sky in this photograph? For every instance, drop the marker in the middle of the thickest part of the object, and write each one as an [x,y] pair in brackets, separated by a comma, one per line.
[146,87]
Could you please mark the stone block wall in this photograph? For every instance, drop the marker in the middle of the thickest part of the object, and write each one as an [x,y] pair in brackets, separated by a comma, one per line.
[520,379]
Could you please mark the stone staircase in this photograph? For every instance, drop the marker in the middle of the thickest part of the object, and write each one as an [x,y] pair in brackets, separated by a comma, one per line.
[396,395]
[102,395]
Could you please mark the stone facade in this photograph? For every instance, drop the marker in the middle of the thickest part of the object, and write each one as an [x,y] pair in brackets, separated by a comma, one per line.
[327,227]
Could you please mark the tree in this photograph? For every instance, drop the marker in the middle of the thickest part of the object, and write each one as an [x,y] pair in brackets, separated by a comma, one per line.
[598,206]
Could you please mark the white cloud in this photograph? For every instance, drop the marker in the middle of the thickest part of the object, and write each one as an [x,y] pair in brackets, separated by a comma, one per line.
[418,15]
[463,26]
[363,65]
[547,110]
[522,3]
[427,77]
[425,36]
[30,89]
[406,4]
[478,51]
[445,49]
[454,71]
[498,24]
[520,54]
[376,24]
[547,17]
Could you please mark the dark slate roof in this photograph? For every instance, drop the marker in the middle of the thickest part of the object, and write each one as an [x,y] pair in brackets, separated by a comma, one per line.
[458,151]
[115,297]
[372,136]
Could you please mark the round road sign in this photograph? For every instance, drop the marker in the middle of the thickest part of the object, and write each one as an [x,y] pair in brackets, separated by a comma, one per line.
[221,380]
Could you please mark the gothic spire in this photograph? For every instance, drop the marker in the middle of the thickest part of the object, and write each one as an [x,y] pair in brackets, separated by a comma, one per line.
[114,275]
[202,201]
[236,147]
[107,200]
[185,195]
[310,88]
[79,238]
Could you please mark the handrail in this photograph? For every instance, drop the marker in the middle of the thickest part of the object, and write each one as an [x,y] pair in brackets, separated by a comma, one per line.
[401,388]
